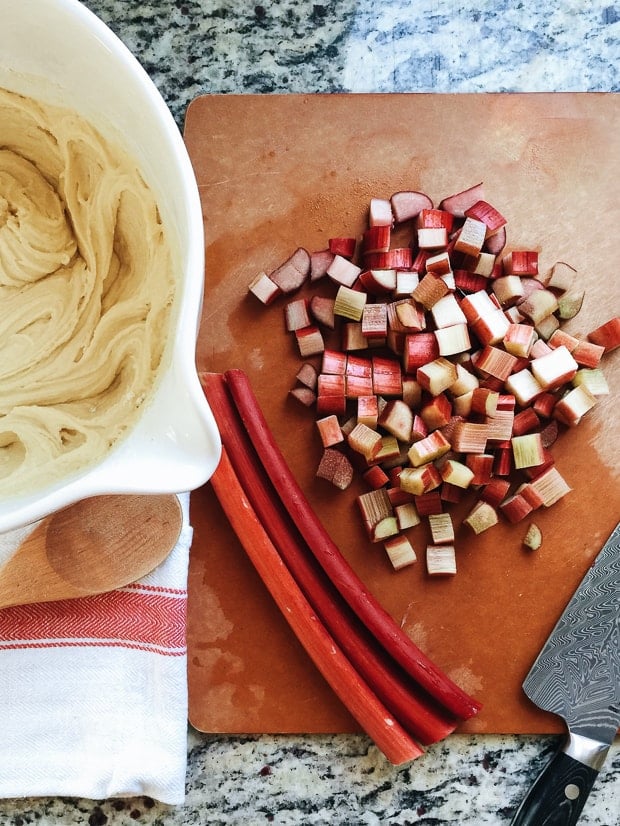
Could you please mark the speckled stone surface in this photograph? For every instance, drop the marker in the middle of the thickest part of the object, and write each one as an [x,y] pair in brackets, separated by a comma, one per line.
[189,48]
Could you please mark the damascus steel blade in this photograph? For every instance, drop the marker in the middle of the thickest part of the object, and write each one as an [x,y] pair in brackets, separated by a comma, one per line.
[577,673]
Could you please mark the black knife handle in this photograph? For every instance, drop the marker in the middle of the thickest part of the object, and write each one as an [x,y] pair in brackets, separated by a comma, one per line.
[558,795]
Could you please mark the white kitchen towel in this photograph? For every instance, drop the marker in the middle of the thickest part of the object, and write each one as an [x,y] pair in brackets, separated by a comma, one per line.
[93,691]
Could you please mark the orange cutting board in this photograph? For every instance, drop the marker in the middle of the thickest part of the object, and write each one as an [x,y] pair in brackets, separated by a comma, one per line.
[278,172]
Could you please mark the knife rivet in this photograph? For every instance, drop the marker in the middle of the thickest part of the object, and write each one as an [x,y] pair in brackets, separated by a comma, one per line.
[571,791]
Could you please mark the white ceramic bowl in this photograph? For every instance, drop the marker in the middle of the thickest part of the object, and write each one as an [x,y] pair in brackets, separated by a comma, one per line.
[60,52]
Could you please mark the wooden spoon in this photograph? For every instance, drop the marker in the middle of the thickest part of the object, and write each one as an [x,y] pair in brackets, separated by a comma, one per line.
[95,545]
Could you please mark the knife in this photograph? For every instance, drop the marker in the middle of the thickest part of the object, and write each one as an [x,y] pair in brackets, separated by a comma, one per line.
[577,676]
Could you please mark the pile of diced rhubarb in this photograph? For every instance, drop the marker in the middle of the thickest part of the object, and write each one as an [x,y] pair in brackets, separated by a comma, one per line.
[453,373]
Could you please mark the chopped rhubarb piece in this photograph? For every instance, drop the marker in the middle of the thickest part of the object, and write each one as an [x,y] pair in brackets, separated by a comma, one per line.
[406,282]
[491,328]
[442,529]
[446,312]
[471,238]
[319,264]
[307,375]
[374,321]
[408,205]
[432,238]
[465,381]
[539,305]
[386,376]
[539,348]
[531,494]
[593,379]
[419,480]
[484,401]
[378,282]
[331,384]
[519,339]
[549,433]
[496,243]
[398,258]
[435,219]
[527,450]
[358,386]
[495,362]
[439,264]
[561,337]
[419,349]
[375,477]
[296,315]
[551,486]
[343,272]
[334,363]
[305,395]
[587,354]
[363,439]
[456,473]
[329,431]
[435,376]
[397,418]
[342,246]
[500,426]
[380,213]
[440,560]
[508,289]
[451,493]
[515,508]
[481,517]
[437,412]
[407,515]
[547,327]
[571,408]
[561,277]
[290,275]
[409,315]
[419,430]
[412,391]
[470,437]
[521,262]
[349,303]
[400,552]
[554,369]
[429,291]
[461,405]
[264,288]
[389,452]
[468,282]
[376,239]
[326,404]
[428,503]
[368,411]
[309,341]
[428,449]
[495,491]
[533,537]
[377,514]
[525,421]
[503,462]
[607,335]
[483,211]
[359,366]
[458,203]
[322,310]
[476,305]
[486,266]
[334,467]
[481,466]
[570,303]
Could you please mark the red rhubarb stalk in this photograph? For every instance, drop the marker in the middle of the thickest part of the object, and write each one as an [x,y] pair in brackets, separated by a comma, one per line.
[376,720]
[416,712]
[367,608]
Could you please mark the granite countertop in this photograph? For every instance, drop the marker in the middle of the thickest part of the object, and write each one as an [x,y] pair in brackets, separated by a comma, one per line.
[191,47]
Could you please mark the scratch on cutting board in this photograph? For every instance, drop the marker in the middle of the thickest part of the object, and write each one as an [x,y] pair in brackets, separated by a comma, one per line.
[224,181]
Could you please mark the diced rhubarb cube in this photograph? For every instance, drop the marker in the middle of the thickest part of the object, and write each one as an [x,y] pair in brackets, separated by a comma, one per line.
[435,376]
[319,264]
[309,341]
[342,271]
[471,238]
[342,246]
[329,431]
[428,449]
[436,412]
[554,369]
[376,239]
[408,205]
[429,290]
[481,517]
[440,560]
[378,282]
[364,440]
[386,376]
[522,262]
[519,339]
[397,418]
[495,362]
[368,410]
[296,314]
[527,450]
[483,211]
[380,213]
[587,354]
[322,310]
[264,288]
[574,405]
[419,350]
[419,480]
[458,203]
[607,335]
[375,477]
[349,303]
[400,552]
[290,275]
[336,468]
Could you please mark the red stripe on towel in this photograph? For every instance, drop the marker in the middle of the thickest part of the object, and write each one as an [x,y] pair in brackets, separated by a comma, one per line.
[147,618]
